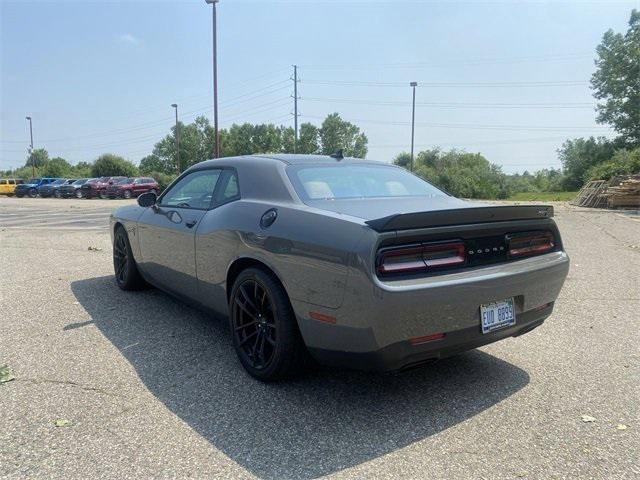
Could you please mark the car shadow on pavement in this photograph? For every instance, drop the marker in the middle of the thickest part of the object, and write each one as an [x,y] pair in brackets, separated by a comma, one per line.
[321,423]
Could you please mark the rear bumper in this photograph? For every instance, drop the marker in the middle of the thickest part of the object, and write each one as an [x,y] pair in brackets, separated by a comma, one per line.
[373,327]
[404,355]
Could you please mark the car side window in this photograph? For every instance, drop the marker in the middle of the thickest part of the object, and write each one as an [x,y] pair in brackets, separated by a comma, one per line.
[194,190]
[3,182]
[228,188]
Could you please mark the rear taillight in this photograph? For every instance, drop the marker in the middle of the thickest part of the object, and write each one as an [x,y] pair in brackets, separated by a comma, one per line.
[529,243]
[421,257]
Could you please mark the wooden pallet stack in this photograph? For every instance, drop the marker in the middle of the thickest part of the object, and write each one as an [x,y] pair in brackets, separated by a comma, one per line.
[624,192]
[620,192]
[589,196]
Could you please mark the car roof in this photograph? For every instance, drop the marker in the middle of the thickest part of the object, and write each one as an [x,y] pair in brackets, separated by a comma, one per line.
[286,158]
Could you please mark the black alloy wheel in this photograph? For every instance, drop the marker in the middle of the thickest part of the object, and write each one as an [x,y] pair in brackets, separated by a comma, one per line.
[33,193]
[78,193]
[126,194]
[103,194]
[264,328]
[124,265]
[57,194]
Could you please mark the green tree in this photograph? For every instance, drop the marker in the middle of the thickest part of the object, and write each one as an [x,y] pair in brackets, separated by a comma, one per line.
[579,155]
[308,138]
[617,81]
[81,170]
[467,175]
[108,165]
[38,158]
[56,167]
[336,134]
[196,145]
[151,163]
[403,159]
[287,135]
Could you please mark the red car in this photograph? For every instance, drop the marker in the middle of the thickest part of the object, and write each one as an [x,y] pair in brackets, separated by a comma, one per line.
[132,187]
[97,187]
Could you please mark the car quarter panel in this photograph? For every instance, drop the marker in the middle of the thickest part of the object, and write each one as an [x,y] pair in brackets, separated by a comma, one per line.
[308,251]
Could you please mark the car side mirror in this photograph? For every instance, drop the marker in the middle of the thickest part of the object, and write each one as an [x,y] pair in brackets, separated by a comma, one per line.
[110,182]
[147,199]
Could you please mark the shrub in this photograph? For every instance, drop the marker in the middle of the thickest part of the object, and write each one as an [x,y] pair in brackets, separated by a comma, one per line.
[163,179]
[109,165]
[623,162]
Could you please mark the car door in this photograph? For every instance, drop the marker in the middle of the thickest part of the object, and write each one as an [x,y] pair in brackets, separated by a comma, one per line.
[167,232]
[217,243]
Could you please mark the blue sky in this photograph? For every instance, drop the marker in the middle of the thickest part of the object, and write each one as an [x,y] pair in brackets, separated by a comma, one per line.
[507,79]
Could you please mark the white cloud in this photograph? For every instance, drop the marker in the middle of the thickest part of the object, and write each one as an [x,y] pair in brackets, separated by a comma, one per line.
[128,39]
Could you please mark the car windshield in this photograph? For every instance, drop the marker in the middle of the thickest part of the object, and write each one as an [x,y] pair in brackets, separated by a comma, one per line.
[33,180]
[358,181]
[80,182]
[57,182]
[103,179]
[125,180]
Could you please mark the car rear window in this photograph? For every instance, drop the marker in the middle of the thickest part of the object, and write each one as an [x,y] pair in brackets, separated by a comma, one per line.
[357,181]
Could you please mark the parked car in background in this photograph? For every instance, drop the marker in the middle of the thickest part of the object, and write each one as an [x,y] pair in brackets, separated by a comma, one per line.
[132,187]
[53,189]
[30,187]
[73,189]
[98,186]
[357,263]
[8,185]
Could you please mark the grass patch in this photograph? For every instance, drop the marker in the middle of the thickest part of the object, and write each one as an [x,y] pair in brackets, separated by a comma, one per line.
[543,196]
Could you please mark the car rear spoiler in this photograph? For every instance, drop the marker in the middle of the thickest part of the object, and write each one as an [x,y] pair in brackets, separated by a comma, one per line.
[460,216]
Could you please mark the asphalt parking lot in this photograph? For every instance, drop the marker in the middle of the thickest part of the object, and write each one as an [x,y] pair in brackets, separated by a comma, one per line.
[121,385]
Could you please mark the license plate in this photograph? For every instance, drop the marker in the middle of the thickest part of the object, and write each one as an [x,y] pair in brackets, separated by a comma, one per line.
[497,315]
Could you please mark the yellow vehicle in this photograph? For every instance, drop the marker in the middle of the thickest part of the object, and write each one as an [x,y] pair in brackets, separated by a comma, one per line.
[8,185]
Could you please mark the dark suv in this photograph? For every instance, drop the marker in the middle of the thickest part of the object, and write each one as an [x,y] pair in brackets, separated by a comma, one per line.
[53,188]
[98,186]
[73,189]
[132,187]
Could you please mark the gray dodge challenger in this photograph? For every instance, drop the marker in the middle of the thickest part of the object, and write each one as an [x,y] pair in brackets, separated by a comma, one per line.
[346,261]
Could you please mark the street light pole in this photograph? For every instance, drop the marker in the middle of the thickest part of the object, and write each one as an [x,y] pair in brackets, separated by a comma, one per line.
[33,167]
[413,118]
[215,79]
[175,105]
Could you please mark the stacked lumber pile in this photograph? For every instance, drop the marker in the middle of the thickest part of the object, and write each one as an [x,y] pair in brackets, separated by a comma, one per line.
[623,192]
[620,192]
[590,194]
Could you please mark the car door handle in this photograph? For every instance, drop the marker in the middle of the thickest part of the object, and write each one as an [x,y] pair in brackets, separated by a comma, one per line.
[191,223]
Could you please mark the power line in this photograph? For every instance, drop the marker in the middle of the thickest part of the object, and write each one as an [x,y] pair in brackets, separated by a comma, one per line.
[476,126]
[462,62]
[356,83]
[449,104]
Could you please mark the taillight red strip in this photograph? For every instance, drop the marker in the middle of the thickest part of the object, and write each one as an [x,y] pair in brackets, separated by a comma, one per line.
[412,258]
[529,243]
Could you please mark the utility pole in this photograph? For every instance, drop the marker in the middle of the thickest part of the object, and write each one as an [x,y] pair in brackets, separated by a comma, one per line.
[216,153]
[33,166]
[413,118]
[175,105]
[295,108]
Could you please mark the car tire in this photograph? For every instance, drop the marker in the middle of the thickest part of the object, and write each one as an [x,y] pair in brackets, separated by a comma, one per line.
[57,194]
[264,328]
[78,193]
[124,265]
[33,193]
[153,190]
[19,195]
[127,194]
[103,194]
